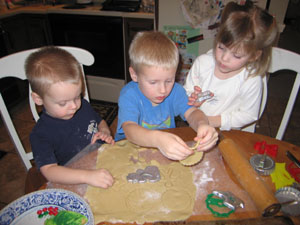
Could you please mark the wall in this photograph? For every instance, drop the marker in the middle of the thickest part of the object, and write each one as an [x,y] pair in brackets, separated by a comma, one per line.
[170,14]
[278,9]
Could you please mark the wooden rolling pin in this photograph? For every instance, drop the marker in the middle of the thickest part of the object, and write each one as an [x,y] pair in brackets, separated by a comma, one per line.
[261,195]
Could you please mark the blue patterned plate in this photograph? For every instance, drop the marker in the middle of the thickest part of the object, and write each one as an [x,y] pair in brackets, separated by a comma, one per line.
[37,207]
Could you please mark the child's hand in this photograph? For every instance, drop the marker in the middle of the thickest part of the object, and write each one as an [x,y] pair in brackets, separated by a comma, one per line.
[172,146]
[208,137]
[104,136]
[100,178]
[194,99]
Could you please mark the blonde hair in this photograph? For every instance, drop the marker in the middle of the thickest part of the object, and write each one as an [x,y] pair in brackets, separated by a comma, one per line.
[153,48]
[250,28]
[50,65]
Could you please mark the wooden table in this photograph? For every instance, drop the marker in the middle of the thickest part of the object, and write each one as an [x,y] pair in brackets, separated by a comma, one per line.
[245,142]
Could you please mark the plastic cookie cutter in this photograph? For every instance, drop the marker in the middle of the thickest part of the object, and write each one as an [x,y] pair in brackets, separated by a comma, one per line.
[262,148]
[204,96]
[230,200]
[293,169]
[224,199]
[150,173]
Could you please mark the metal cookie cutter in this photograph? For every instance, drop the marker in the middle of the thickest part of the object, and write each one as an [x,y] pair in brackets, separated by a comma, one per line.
[150,173]
[229,200]
[262,164]
[204,96]
[289,202]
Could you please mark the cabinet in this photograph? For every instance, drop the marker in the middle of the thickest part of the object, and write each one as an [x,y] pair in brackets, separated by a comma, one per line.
[101,35]
[3,49]
[17,33]
[131,27]
[38,30]
[24,31]
[107,37]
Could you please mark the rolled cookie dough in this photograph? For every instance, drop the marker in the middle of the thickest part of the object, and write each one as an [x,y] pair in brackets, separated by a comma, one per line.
[170,199]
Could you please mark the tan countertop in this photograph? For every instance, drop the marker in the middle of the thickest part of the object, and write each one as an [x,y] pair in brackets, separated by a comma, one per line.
[94,9]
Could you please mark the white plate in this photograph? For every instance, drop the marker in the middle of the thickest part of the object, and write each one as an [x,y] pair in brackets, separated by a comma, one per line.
[25,209]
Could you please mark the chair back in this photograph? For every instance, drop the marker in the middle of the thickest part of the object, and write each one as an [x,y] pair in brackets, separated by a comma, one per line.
[283,59]
[13,66]
[251,127]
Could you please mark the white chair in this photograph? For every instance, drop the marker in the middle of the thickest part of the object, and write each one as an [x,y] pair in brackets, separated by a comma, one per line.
[251,127]
[282,59]
[13,66]
[286,60]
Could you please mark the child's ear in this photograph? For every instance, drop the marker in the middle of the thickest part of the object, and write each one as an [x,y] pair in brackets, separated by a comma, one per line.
[133,74]
[36,98]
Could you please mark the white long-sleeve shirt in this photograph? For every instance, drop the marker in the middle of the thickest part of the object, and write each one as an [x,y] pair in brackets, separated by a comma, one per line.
[236,99]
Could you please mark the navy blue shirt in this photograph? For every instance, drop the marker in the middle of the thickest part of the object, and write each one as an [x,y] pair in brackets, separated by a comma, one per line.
[57,141]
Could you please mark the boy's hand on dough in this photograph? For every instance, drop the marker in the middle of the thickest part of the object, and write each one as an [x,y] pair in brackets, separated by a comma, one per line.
[100,178]
[172,146]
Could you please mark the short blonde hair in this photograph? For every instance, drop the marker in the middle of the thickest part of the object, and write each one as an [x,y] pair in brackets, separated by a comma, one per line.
[153,48]
[250,28]
[50,65]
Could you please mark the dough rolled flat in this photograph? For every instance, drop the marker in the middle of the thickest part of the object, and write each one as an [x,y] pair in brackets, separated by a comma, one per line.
[172,198]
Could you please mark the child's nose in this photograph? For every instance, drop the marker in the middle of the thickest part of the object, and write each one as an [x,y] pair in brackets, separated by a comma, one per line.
[162,88]
[73,105]
[225,56]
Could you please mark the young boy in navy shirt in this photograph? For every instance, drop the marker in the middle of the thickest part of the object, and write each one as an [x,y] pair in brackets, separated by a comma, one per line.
[68,123]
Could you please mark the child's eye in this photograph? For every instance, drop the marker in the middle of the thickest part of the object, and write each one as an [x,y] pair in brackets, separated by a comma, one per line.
[237,56]
[221,47]
[152,82]
[62,104]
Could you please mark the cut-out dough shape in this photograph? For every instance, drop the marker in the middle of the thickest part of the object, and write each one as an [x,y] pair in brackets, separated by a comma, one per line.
[176,200]
[150,173]
[146,200]
[194,158]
